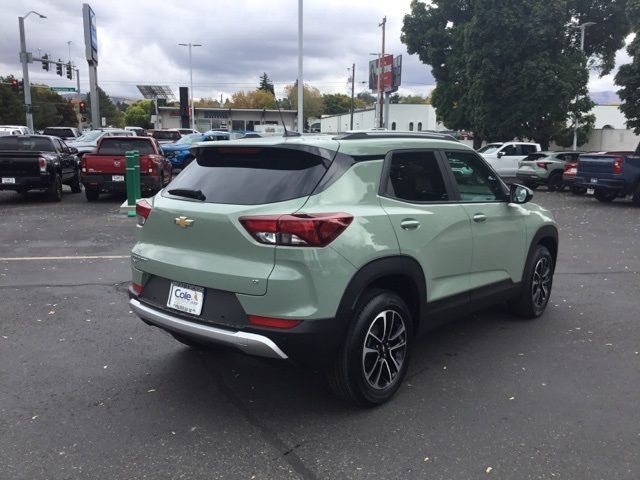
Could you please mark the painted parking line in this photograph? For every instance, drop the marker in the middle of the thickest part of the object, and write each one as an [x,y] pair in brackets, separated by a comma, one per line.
[72,257]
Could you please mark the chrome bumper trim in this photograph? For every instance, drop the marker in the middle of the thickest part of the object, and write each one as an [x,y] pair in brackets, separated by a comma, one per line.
[250,343]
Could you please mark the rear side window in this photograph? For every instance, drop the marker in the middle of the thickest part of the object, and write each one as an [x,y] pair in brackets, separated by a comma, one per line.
[119,146]
[252,175]
[166,135]
[527,149]
[534,156]
[416,177]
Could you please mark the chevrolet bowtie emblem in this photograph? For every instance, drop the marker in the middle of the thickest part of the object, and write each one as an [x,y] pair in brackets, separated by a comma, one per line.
[183,222]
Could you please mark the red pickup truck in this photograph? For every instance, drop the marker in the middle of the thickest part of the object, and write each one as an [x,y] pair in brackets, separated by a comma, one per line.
[105,169]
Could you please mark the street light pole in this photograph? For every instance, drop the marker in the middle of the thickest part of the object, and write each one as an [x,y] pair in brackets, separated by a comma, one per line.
[300,80]
[24,58]
[353,83]
[582,28]
[193,119]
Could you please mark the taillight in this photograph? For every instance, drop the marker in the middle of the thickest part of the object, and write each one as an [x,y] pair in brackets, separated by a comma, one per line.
[143,209]
[542,164]
[297,230]
[283,323]
[136,289]
[617,165]
[42,163]
[83,165]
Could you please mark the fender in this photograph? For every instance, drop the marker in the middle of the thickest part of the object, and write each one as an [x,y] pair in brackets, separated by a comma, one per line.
[546,231]
[377,269]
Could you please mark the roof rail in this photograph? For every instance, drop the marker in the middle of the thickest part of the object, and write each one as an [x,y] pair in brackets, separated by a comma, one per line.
[391,134]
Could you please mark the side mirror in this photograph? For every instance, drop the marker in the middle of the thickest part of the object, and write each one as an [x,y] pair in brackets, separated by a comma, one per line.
[73,150]
[519,193]
[500,154]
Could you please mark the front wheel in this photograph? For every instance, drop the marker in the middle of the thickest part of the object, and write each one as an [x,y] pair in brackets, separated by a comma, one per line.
[76,184]
[375,354]
[536,285]
[54,192]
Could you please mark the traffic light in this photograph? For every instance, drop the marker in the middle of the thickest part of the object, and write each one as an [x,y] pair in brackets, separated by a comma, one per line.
[45,62]
[69,71]
[59,68]
[82,107]
[15,85]
[21,87]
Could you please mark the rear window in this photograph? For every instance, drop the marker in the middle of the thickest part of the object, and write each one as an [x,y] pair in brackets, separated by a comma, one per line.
[119,146]
[534,156]
[59,132]
[26,144]
[252,175]
[166,135]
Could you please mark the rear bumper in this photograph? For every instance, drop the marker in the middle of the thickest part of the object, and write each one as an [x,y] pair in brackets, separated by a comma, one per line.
[600,184]
[106,184]
[39,182]
[250,343]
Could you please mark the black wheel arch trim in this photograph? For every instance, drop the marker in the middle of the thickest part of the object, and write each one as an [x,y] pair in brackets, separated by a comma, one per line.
[544,232]
[377,269]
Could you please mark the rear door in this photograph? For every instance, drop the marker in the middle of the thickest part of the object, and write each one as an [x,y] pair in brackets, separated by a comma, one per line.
[209,247]
[430,226]
[499,234]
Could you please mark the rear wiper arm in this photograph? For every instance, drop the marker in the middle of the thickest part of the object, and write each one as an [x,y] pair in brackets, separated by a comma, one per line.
[188,193]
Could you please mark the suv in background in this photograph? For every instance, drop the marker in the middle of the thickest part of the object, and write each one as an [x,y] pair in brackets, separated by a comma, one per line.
[88,141]
[166,136]
[505,157]
[336,252]
[64,133]
[187,131]
[545,168]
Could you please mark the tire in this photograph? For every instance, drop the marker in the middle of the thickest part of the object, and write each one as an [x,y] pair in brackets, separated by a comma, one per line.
[54,192]
[92,194]
[537,285]
[384,326]
[578,190]
[554,183]
[76,184]
[188,341]
[604,196]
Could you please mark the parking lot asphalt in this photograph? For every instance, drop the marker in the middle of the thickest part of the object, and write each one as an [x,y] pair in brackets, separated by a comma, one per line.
[89,391]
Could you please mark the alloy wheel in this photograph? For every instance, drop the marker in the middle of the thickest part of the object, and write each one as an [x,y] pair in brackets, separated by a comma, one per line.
[384,350]
[541,284]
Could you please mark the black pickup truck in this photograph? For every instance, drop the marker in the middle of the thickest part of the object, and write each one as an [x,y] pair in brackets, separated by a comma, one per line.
[38,162]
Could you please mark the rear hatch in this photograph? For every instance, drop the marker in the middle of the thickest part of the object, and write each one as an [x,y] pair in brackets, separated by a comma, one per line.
[212,249]
[110,157]
[600,165]
[529,161]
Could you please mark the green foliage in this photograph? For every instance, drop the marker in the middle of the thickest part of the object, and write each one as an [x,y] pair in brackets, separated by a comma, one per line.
[512,69]
[628,77]
[53,110]
[414,100]
[311,97]
[366,98]
[335,103]
[11,112]
[114,117]
[266,84]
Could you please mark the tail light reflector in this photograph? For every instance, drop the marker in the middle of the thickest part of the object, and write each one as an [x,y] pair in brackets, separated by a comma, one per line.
[617,165]
[542,164]
[297,230]
[42,164]
[143,209]
[283,323]
[136,289]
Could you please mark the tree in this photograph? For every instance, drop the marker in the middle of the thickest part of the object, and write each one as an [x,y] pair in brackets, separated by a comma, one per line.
[414,100]
[335,103]
[207,102]
[511,69]
[266,84]
[628,77]
[366,98]
[256,99]
[52,109]
[138,114]
[11,112]
[311,98]
[108,110]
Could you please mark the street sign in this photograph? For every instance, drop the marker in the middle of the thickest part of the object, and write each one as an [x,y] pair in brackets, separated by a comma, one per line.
[63,89]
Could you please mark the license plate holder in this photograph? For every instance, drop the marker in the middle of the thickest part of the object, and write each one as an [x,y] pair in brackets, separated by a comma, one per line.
[590,191]
[117,178]
[186,298]
[8,181]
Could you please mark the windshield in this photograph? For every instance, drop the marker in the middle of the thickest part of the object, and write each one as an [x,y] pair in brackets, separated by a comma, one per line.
[26,144]
[91,136]
[189,139]
[491,148]
[166,135]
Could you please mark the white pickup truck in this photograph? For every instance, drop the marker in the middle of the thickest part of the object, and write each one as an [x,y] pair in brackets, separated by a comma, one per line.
[505,157]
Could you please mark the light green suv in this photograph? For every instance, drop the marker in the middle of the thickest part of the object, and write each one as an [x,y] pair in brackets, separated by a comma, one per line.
[545,168]
[337,252]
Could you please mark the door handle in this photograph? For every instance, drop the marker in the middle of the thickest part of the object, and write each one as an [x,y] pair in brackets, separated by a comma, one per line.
[479,217]
[409,224]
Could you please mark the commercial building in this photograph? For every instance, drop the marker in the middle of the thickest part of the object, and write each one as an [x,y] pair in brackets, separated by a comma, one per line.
[229,118]
[402,117]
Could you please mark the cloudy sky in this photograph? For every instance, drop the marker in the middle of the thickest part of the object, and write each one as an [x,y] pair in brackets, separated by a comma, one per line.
[138,42]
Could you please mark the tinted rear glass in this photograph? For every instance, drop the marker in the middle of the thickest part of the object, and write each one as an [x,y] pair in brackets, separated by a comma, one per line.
[166,135]
[59,132]
[26,144]
[534,156]
[119,146]
[252,175]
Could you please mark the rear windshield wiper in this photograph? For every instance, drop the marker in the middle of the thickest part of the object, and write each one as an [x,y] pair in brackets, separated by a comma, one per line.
[188,193]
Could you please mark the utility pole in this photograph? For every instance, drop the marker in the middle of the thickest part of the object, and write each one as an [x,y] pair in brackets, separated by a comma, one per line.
[582,28]
[300,80]
[193,119]
[24,59]
[353,79]
[79,99]
[380,72]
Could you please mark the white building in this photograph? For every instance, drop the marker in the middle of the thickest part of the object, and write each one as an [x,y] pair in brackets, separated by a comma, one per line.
[401,117]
